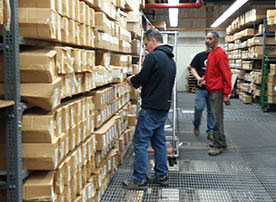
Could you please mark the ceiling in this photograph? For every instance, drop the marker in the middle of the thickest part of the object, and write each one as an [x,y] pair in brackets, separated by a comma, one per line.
[201,19]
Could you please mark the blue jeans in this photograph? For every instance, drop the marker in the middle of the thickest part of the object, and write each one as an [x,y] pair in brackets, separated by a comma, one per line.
[202,100]
[150,129]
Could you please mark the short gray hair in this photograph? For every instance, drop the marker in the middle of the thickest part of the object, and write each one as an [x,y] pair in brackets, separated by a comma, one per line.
[215,34]
[153,33]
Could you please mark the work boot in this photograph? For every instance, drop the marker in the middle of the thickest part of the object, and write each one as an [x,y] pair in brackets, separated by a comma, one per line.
[212,144]
[134,185]
[163,181]
[210,137]
[215,151]
[196,131]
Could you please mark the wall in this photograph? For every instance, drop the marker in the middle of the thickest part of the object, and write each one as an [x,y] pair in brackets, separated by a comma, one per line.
[189,44]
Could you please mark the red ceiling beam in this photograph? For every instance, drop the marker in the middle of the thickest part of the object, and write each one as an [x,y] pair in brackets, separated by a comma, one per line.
[197,4]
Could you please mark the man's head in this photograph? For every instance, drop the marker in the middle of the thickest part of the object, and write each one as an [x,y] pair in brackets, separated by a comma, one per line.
[212,40]
[152,39]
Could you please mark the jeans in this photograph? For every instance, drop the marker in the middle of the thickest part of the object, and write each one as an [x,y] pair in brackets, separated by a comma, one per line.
[202,100]
[150,129]
[216,100]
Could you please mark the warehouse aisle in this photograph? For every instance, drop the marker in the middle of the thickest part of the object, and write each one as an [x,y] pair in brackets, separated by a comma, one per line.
[245,172]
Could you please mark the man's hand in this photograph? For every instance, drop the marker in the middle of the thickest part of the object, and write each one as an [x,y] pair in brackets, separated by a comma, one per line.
[226,100]
[201,82]
[128,80]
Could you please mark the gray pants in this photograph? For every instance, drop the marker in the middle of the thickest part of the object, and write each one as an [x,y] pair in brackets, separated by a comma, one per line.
[216,101]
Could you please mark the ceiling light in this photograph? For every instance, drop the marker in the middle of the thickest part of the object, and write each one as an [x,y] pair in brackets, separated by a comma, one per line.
[234,7]
[173,13]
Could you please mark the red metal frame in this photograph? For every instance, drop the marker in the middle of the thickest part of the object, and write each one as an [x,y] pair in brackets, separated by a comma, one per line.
[197,4]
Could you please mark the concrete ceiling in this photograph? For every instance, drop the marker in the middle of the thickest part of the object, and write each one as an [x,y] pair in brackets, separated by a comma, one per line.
[201,19]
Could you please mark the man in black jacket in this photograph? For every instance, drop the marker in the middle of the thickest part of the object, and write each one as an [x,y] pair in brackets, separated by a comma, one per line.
[157,79]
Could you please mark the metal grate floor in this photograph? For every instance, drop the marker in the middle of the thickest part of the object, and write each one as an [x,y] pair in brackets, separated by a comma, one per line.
[245,172]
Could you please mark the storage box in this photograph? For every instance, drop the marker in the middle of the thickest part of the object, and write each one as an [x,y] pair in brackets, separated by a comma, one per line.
[37,66]
[271,99]
[42,27]
[43,95]
[45,157]
[246,99]
[271,78]
[39,186]
[135,47]
[38,127]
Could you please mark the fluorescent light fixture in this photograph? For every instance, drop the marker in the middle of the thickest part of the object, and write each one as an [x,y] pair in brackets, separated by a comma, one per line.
[234,7]
[173,14]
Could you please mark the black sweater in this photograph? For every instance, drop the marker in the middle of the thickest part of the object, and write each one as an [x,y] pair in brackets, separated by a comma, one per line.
[157,78]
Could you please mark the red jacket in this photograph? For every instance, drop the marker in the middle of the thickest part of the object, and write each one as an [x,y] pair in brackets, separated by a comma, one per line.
[218,74]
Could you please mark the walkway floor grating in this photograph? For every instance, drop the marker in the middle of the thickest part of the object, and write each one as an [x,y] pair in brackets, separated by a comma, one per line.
[245,172]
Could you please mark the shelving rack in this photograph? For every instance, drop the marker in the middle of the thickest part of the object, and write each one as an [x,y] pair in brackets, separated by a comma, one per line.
[11,179]
[265,66]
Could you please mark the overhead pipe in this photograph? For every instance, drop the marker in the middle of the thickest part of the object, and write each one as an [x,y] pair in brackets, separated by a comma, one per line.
[197,4]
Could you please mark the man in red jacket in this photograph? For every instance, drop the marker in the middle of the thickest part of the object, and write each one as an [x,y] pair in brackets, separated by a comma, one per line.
[218,82]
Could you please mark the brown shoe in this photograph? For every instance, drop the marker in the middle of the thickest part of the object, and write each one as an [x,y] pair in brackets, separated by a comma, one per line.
[215,151]
[212,144]
[210,137]
[196,131]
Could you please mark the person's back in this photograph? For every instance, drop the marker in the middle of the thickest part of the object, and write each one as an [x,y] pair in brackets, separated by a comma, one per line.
[157,91]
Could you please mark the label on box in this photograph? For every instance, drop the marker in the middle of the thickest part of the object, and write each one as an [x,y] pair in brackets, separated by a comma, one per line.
[84,132]
[88,124]
[59,125]
[74,141]
[94,142]
[56,97]
[69,173]
[79,153]
[56,157]
[67,120]
[62,150]
[79,135]
[84,153]
[83,112]
[91,191]
[100,180]
[83,196]
[104,169]
[80,181]
[89,151]
[109,164]
[52,128]
[67,145]
[52,193]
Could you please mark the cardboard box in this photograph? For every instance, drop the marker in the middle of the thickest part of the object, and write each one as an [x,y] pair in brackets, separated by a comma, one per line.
[135,28]
[103,59]
[102,23]
[45,158]
[272,70]
[246,99]
[271,99]
[135,47]
[36,66]
[132,119]
[58,180]
[258,41]
[38,127]
[82,13]
[44,95]
[39,186]
[44,27]
[65,30]
[270,89]
[271,13]
[271,78]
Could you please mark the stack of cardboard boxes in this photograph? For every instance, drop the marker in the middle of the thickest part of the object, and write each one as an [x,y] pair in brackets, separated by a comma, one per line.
[244,47]
[80,120]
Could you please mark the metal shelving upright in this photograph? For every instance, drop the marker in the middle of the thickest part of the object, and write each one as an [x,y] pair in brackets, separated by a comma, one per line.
[11,179]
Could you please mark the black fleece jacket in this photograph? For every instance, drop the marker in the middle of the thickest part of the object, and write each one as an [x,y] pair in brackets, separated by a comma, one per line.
[157,78]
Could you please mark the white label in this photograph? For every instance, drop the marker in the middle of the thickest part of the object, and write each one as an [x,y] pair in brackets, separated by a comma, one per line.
[67,145]
[104,169]
[89,151]
[88,124]
[72,118]
[84,153]
[51,128]
[56,157]
[79,135]
[109,164]
[79,152]
[73,141]
[59,125]
[56,97]
[80,181]
[69,173]
[99,117]
[62,150]
[90,191]
[92,125]
[67,120]
[84,196]
[94,143]
[84,132]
